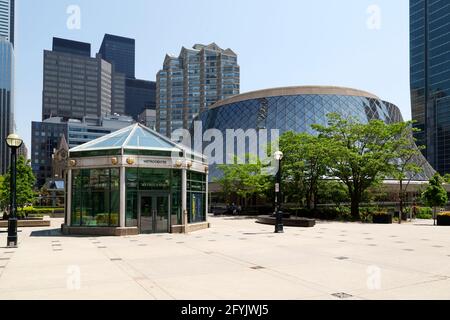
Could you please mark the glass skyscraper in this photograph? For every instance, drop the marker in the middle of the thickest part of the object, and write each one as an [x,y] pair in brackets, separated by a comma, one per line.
[120,52]
[192,82]
[430,78]
[7,20]
[140,95]
[6,79]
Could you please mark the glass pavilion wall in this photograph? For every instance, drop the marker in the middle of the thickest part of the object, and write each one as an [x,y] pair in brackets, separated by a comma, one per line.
[112,181]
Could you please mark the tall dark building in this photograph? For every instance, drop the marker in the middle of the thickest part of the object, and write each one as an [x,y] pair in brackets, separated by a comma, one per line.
[72,47]
[140,95]
[120,52]
[430,78]
[76,85]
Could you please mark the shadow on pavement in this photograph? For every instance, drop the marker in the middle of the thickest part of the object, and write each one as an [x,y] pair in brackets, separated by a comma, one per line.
[47,233]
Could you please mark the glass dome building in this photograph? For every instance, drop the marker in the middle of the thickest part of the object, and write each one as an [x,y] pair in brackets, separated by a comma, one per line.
[135,181]
[296,109]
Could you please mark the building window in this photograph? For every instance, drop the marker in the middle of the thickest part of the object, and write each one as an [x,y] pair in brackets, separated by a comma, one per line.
[95,198]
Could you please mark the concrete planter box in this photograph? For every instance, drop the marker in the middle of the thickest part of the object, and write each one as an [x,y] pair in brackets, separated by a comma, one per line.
[443,221]
[382,219]
[27,223]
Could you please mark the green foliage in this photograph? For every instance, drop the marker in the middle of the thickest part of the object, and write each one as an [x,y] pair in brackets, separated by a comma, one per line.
[4,199]
[245,180]
[360,154]
[332,191]
[425,213]
[303,166]
[24,187]
[435,195]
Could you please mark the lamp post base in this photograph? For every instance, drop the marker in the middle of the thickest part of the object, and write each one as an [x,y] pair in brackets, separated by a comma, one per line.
[279,228]
[12,233]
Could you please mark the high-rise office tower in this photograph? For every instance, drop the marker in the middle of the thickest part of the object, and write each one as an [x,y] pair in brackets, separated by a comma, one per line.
[139,94]
[192,82]
[430,78]
[120,52]
[7,17]
[6,100]
[76,85]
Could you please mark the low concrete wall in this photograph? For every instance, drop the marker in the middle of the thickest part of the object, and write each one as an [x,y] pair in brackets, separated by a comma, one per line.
[193,227]
[94,231]
[27,223]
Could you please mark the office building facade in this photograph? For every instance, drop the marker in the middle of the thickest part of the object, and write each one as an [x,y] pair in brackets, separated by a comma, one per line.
[7,19]
[120,52]
[191,82]
[76,85]
[140,95]
[148,118]
[46,136]
[430,78]
[6,101]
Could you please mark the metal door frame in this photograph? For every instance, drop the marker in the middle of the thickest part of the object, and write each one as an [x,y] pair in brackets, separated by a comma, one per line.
[154,195]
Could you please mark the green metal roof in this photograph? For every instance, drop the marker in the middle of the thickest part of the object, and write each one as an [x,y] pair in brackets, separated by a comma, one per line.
[136,137]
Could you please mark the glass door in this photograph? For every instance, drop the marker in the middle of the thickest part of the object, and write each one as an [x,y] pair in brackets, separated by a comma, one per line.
[146,214]
[154,214]
[161,214]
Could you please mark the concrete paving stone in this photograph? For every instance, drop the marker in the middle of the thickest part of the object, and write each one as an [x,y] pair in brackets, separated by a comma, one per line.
[236,259]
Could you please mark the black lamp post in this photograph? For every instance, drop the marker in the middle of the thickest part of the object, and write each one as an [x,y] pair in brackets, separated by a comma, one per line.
[279,228]
[14,142]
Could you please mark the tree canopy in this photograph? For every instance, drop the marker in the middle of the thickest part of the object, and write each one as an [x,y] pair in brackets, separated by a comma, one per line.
[360,154]
[25,183]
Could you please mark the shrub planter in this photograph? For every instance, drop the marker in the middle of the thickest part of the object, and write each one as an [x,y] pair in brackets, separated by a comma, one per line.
[443,220]
[382,219]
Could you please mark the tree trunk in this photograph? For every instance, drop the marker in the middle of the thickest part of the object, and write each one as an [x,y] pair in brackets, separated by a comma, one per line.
[401,202]
[355,206]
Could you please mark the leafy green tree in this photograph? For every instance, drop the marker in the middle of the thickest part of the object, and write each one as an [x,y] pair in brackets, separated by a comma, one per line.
[408,162]
[446,178]
[245,180]
[435,195]
[3,198]
[24,186]
[332,191]
[303,165]
[359,154]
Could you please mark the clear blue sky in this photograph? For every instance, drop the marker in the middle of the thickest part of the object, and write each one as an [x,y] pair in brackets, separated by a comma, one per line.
[279,43]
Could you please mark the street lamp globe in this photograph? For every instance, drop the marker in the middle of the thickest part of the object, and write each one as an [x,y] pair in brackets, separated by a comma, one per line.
[278,155]
[14,141]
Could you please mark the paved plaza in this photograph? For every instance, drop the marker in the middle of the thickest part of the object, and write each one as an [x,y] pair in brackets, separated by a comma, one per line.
[235,259]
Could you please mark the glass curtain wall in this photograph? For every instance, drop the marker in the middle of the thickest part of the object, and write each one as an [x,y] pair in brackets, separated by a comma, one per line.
[139,181]
[196,185]
[95,198]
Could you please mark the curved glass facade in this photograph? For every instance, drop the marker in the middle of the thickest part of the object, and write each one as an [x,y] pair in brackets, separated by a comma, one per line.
[297,113]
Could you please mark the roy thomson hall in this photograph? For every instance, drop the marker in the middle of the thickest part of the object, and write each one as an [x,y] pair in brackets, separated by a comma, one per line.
[135,181]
